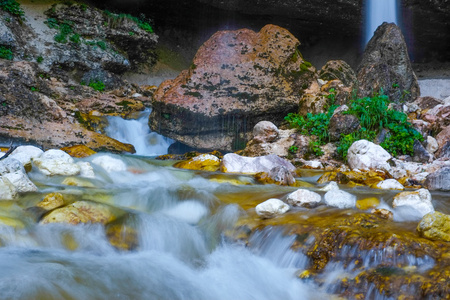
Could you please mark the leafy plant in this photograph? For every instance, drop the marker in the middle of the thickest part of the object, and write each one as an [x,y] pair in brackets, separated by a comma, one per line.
[65,29]
[75,38]
[314,147]
[6,53]
[293,149]
[39,59]
[140,22]
[101,45]
[12,6]
[97,85]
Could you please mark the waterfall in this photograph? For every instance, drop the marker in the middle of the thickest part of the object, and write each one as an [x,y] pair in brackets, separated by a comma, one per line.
[377,12]
[137,133]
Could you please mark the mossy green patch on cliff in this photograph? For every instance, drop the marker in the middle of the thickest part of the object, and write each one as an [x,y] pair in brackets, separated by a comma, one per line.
[6,53]
[12,7]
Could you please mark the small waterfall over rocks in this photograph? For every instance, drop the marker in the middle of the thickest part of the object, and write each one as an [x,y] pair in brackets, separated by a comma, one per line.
[137,133]
[377,12]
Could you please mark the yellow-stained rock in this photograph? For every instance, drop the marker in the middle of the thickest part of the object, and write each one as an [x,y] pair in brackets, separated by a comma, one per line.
[383,213]
[353,177]
[367,203]
[81,212]
[122,236]
[76,181]
[69,241]
[78,151]
[51,201]
[435,226]
[204,162]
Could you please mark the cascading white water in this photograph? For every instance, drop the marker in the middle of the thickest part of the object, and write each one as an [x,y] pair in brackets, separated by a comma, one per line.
[137,133]
[377,12]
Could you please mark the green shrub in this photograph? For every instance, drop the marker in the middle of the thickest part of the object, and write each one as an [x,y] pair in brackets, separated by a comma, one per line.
[65,29]
[6,53]
[39,59]
[97,85]
[11,6]
[374,115]
[75,38]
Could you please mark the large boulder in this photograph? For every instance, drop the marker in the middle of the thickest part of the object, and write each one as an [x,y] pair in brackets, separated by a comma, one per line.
[365,155]
[386,66]
[237,79]
[338,69]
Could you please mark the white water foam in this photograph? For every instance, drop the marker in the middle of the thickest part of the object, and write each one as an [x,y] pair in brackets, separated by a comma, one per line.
[377,12]
[137,133]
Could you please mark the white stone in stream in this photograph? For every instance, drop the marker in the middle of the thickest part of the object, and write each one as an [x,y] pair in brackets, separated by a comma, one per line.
[432,144]
[13,170]
[56,162]
[233,163]
[21,182]
[109,163]
[389,184]
[365,155]
[419,200]
[304,198]
[340,199]
[272,207]
[25,154]
[189,211]
[331,186]
[7,190]
[86,169]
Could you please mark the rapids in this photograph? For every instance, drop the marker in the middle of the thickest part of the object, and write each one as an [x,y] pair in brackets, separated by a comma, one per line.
[176,240]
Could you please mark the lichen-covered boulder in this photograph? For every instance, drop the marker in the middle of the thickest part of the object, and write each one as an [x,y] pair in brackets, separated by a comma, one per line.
[419,201]
[365,155]
[205,162]
[233,163]
[237,79]
[386,66]
[435,226]
[271,208]
[305,198]
[56,162]
[339,199]
[279,146]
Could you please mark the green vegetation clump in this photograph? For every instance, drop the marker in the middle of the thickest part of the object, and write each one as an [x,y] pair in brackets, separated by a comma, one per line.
[140,22]
[374,115]
[6,53]
[65,29]
[11,6]
[97,85]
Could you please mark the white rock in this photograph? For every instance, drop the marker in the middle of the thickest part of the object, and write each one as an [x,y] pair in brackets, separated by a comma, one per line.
[7,190]
[265,131]
[272,207]
[432,144]
[419,200]
[313,164]
[365,155]
[56,162]
[340,199]
[2,154]
[389,184]
[86,169]
[109,163]
[25,154]
[331,186]
[303,197]
[203,157]
[233,163]
[420,178]
[20,181]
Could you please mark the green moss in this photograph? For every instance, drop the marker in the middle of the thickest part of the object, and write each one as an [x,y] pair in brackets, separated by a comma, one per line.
[12,7]
[6,53]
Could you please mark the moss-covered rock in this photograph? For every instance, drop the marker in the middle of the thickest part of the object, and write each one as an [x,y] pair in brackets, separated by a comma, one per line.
[435,226]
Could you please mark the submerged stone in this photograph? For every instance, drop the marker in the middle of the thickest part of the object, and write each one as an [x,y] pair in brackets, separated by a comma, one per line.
[367,203]
[51,201]
[205,162]
[109,163]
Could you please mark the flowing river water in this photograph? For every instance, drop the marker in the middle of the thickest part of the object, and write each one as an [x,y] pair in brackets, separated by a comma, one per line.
[173,238]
